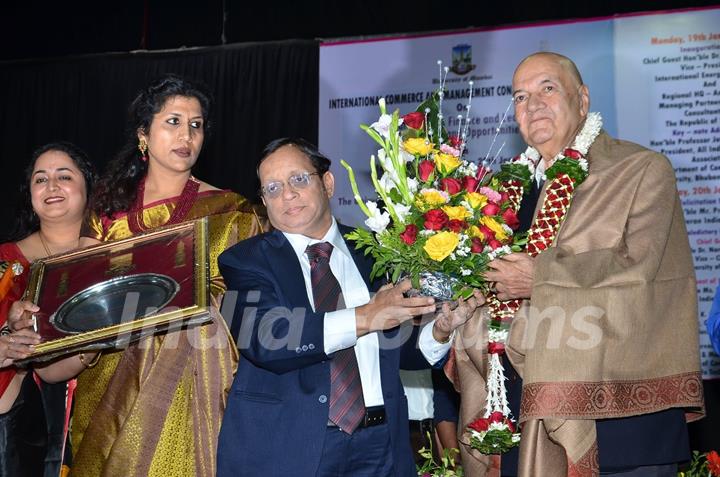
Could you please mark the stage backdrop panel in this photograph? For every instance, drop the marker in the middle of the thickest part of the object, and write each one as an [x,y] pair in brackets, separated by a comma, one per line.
[622,63]
[668,99]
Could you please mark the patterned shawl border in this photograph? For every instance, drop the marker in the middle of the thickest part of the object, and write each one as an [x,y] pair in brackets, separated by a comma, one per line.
[587,466]
[602,400]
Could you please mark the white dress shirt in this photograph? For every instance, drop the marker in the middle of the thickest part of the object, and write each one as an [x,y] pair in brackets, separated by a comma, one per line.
[340,329]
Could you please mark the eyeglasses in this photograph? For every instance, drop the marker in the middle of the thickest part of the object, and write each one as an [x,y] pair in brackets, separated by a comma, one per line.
[300,181]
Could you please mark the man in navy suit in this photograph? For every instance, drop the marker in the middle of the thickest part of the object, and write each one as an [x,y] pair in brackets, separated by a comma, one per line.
[317,391]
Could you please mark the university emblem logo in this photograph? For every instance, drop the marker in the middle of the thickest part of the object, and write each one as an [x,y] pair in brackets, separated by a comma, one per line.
[462,59]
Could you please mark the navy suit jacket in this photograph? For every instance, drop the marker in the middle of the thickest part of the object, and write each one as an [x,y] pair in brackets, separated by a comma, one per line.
[277,411]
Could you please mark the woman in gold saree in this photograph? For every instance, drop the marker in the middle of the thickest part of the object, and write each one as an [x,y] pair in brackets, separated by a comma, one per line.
[155,407]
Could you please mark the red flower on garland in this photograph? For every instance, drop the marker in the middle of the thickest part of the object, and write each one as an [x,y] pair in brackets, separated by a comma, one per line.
[572,153]
[496,348]
[480,425]
[414,120]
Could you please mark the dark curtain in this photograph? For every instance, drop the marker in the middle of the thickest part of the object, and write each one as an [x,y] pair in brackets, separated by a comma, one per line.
[261,92]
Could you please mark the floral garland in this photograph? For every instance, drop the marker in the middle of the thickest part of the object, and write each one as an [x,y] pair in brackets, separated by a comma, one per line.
[495,432]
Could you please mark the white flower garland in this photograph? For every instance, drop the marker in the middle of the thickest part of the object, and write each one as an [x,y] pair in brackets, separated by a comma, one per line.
[583,141]
[497,393]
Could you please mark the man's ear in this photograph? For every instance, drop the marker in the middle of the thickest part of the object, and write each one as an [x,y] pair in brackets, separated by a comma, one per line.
[584,100]
[329,183]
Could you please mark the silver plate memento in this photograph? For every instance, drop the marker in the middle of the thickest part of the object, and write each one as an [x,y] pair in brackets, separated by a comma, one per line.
[115,301]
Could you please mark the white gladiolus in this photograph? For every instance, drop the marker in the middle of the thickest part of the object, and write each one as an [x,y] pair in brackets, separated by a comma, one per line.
[412,184]
[402,211]
[387,182]
[382,125]
[378,221]
[406,156]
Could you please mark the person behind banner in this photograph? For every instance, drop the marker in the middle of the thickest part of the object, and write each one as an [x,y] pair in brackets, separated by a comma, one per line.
[318,391]
[54,195]
[606,342]
[155,407]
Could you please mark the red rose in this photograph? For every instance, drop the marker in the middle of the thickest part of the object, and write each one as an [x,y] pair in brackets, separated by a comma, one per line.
[490,209]
[477,245]
[496,348]
[470,183]
[511,219]
[480,425]
[450,185]
[572,153]
[455,141]
[494,244]
[409,235]
[426,169]
[457,225]
[435,219]
[510,425]
[496,416]
[487,232]
[503,197]
[414,120]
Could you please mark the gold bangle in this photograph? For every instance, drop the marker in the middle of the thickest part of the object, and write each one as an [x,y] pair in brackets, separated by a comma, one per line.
[91,363]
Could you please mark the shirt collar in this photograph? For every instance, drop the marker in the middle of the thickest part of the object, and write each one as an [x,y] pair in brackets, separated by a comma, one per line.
[540,171]
[300,242]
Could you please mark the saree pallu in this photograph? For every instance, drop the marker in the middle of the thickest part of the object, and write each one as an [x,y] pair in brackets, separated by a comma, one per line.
[155,408]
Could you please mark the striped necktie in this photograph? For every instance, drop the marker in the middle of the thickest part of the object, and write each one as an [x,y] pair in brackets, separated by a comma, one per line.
[347,407]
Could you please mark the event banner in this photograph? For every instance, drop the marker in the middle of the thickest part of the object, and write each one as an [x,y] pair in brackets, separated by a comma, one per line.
[652,77]
[668,99]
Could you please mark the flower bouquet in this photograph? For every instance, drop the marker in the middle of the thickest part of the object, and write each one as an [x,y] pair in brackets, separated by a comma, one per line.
[436,214]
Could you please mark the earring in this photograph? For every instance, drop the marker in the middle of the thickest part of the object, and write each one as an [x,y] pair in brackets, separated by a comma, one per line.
[142,147]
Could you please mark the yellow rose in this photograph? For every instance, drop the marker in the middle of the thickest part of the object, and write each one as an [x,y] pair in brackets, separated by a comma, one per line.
[418,146]
[474,231]
[456,212]
[431,198]
[476,199]
[493,225]
[442,244]
[446,163]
